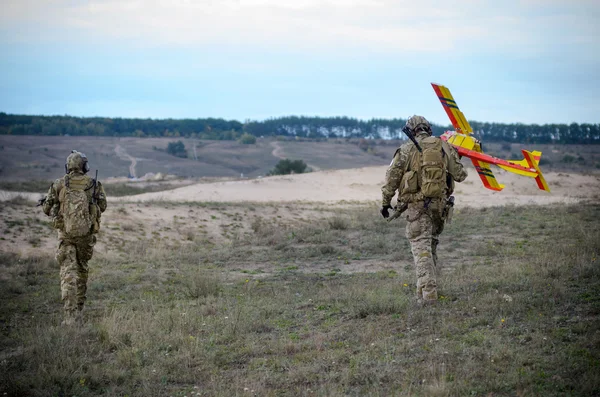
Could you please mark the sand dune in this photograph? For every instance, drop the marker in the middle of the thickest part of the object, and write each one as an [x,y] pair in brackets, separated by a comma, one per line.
[363,185]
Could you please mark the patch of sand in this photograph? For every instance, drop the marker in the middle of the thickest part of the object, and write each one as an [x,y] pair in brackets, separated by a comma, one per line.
[364,184]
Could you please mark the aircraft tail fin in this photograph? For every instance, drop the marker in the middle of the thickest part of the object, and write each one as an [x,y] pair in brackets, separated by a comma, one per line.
[530,157]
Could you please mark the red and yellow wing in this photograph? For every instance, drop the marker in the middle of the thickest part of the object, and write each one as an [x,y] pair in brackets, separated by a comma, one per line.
[457,118]
[468,146]
[487,176]
[533,163]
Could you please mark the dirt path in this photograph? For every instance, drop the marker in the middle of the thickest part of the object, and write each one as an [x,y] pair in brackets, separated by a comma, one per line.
[278,152]
[123,155]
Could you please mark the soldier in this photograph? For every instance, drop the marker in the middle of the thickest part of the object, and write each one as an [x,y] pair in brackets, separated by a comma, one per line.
[75,203]
[424,176]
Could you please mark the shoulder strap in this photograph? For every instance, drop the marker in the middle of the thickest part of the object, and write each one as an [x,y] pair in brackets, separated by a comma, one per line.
[413,152]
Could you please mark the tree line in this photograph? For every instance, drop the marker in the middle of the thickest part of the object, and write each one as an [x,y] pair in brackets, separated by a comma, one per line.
[301,126]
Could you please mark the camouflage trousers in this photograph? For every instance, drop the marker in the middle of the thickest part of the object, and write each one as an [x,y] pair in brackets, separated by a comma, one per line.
[422,231]
[73,256]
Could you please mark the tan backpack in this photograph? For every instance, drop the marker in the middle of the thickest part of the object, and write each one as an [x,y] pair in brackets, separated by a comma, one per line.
[426,171]
[75,206]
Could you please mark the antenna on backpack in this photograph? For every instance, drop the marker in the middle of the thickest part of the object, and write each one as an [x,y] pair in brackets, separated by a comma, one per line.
[410,136]
[94,192]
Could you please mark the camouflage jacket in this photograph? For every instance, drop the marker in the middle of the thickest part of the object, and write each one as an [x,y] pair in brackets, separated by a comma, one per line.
[399,165]
[51,206]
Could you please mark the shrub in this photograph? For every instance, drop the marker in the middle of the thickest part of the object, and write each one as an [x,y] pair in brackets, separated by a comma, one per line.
[365,145]
[567,158]
[247,139]
[287,166]
[177,149]
[338,223]
[545,161]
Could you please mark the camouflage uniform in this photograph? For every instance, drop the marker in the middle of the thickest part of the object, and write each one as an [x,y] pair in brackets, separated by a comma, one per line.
[425,222]
[73,254]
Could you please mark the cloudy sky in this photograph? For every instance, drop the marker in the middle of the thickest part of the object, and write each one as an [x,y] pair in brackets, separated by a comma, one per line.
[530,61]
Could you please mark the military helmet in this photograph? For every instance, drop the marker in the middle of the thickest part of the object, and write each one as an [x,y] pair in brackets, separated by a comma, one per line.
[418,123]
[77,161]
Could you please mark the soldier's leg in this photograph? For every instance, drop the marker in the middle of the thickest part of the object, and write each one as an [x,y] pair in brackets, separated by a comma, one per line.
[66,256]
[85,250]
[82,285]
[420,233]
[438,227]
[434,243]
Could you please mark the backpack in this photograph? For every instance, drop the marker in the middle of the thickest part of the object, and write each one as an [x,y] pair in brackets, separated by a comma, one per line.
[426,172]
[75,206]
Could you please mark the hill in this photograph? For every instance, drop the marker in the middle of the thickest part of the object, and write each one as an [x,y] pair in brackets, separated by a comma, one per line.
[41,158]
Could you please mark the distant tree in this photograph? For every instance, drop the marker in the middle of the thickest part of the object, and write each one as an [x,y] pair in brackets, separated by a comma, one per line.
[287,166]
[247,139]
[289,126]
[366,145]
[177,149]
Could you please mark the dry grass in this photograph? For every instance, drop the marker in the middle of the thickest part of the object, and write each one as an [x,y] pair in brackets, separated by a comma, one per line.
[517,315]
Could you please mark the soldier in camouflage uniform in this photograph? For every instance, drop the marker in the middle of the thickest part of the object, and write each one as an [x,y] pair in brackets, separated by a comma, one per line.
[426,217]
[73,253]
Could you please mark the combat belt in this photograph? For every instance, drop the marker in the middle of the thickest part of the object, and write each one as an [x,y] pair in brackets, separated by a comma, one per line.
[446,213]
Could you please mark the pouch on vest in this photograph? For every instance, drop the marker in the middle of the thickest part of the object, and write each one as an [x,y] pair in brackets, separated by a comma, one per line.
[409,183]
[75,207]
[433,168]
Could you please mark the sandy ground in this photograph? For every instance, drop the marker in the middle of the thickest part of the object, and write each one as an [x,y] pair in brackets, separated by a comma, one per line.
[226,209]
[363,185]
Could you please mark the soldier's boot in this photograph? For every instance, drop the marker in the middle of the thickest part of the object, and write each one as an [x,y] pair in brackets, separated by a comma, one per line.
[430,294]
[70,318]
[79,318]
[79,314]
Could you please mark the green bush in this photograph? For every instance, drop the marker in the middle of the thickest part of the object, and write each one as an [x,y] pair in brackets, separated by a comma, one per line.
[177,149]
[567,158]
[247,139]
[545,161]
[287,166]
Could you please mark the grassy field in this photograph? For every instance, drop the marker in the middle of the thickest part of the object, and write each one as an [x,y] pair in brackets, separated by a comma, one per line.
[321,303]
[42,158]
[28,158]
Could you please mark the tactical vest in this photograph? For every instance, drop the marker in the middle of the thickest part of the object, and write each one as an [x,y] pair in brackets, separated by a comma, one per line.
[425,174]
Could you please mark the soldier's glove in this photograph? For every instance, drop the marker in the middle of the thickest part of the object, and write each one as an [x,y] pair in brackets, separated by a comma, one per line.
[41,202]
[385,211]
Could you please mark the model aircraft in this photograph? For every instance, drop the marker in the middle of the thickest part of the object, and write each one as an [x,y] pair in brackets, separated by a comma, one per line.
[468,146]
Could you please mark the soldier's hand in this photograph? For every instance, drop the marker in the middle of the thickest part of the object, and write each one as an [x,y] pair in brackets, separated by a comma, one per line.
[385,211]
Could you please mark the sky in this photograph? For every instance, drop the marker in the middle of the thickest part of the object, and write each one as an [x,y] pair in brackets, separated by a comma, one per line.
[528,61]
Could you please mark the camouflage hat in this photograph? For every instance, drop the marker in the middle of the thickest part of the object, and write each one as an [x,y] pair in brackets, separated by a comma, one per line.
[77,162]
[416,123]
